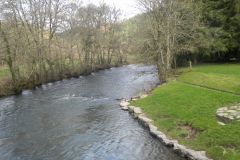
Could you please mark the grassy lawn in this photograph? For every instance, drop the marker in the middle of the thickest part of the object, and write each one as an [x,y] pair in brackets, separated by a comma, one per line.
[220,77]
[188,112]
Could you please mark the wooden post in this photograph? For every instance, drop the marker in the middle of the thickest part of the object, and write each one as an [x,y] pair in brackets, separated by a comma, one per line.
[190,65]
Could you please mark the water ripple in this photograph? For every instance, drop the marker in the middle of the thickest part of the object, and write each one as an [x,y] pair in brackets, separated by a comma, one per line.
[79,119]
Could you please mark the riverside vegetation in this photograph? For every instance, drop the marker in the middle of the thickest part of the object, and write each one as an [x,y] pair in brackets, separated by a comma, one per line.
[185,109]
[180,33]
[44,41]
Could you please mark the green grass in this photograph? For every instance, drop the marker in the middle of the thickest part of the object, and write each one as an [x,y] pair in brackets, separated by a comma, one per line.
[188,112]
[220,77]
[227,69]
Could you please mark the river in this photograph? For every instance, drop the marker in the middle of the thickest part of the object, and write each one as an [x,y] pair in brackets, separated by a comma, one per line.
[80,119]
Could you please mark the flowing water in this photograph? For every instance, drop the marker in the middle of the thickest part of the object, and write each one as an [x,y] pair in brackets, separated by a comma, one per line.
[79,119]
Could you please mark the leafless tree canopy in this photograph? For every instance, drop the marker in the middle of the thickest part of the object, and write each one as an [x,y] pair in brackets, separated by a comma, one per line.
[46,40]
[172,25]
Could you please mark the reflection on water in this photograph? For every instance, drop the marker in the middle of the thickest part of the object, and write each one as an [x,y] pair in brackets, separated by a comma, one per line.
[80,119]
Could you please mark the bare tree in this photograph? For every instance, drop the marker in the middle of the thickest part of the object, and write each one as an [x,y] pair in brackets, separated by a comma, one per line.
[9,58]
[172,26]
[52,39]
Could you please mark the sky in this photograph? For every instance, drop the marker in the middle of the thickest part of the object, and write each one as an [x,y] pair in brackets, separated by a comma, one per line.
[128,7]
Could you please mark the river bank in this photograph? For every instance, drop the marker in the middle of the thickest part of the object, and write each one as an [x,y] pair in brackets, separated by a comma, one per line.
[185,109]
[181,150]
[6,86]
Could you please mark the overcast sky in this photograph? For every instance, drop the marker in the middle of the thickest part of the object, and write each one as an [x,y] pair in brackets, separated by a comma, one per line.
[128,7]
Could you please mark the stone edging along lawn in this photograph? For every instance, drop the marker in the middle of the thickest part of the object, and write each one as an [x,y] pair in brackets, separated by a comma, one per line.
[181,150]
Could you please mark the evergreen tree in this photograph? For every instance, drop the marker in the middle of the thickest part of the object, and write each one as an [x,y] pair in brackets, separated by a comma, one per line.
[222,31]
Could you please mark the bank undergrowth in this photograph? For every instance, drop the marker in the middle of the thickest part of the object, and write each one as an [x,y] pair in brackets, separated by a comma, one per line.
[7,88]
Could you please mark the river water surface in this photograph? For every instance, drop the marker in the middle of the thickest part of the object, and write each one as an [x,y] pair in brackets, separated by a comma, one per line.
[79,119]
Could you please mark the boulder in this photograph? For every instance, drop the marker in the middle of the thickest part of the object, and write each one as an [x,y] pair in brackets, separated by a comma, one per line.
[125,108]
[143,96]
[190,154]
[131,109]
[124,104]
[228,114]
[137,111]
[144,120]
